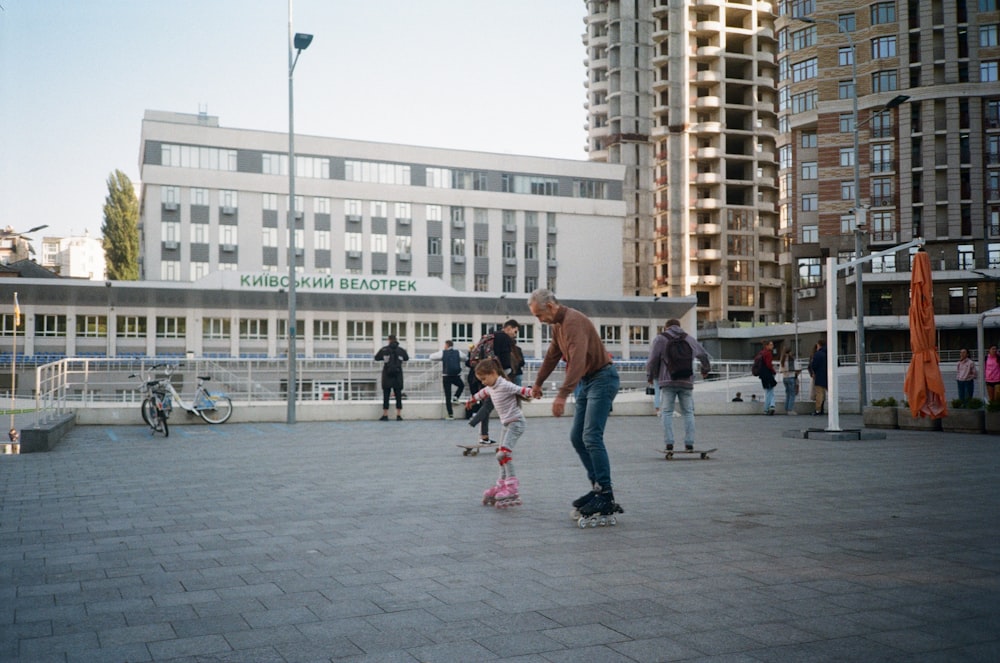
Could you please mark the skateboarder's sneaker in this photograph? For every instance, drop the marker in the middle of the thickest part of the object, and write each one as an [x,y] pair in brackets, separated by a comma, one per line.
[688,447]
[670,447]
[383,418]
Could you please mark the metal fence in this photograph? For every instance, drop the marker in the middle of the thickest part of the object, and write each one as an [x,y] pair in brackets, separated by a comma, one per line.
[74,382]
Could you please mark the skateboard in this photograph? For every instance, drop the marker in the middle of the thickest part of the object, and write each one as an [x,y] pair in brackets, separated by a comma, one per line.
[669,455]
[473,449]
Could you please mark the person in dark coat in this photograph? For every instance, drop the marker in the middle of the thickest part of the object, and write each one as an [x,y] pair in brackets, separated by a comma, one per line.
[817,369]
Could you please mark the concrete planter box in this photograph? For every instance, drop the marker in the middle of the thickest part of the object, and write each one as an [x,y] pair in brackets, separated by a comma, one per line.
[991,422]
[880,417]
[964,421]
[907,421]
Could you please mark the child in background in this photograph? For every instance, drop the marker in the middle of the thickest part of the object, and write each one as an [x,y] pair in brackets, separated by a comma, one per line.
[506,399]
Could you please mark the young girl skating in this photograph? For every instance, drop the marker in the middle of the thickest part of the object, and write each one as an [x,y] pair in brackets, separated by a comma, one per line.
[506,399]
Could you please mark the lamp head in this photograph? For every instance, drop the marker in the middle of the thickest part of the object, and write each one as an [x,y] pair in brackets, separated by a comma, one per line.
[302,41]
[898,100]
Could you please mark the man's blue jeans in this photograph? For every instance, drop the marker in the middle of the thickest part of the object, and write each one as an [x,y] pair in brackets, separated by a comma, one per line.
[686,398]
[594,396]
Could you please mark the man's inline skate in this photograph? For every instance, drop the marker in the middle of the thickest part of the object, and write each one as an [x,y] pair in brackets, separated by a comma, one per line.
[599,510]
[583,499]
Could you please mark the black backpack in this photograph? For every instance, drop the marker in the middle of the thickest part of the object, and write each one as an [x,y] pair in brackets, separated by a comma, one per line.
[680,357]
[758,365]
[451,362]
[394,363]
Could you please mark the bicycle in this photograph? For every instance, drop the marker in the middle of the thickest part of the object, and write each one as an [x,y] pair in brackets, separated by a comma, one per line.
[213,408]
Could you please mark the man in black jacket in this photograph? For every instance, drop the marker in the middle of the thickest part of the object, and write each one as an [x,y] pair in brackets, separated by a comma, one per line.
[392,376]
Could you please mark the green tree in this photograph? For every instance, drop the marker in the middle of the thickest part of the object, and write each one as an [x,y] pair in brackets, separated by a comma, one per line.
[121,229]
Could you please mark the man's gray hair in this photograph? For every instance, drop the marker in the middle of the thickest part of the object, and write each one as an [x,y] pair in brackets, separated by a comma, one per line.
[542,297]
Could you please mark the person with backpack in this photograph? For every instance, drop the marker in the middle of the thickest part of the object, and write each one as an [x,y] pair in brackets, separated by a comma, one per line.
[496,344]
[392,357]
[451,374]
[763,368]
[671,365]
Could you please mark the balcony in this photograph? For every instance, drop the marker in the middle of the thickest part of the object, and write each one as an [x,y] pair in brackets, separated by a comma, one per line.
[706,27]
[707,229]
[708,153]
[708,76]
[707,203]
[708,254]
[707,128]
[883,201]
[708,52]
[707,178]
[707,102]
[707,279]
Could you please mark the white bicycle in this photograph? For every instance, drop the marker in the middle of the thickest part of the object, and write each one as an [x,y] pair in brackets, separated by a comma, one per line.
[214,408]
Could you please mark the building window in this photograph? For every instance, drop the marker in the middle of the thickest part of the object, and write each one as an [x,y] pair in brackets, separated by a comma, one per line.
[847,123]
[509,283]
[845,89]
[884,47]
[360,330]
[130,326]
[325,330]
[171,327]
[847,190]
[881,158]
[215,328]
[480,248]
[884,81]
[170,270]
[372,171]
[988,36]
[883,226]
[461,332]
[988,72]
[884,264]
[804,38]
[481,283]
[433,246]
[966,257]
[993,255]
[810,170]
[91,326]
[808,140]
[847,156]
[192,156]
[458,246]
[469,179]
[883,12]
[847,224]
[611,334]
[810,234]
[845,56]
[804,101]
[803,71]
[425,332]
[434,213]
[846,22]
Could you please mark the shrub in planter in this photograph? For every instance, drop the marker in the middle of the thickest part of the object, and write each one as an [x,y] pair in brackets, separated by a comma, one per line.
[880,414]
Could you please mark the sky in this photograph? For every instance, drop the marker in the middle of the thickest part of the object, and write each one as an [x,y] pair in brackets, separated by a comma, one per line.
[76,77]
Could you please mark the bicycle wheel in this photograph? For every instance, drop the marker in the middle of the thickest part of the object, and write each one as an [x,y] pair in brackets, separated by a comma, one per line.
[219,409]
[162,419]
[148,410]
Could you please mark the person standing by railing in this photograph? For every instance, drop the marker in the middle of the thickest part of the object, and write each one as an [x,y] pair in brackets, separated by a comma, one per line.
[965,375]
[789,378]
[991,373]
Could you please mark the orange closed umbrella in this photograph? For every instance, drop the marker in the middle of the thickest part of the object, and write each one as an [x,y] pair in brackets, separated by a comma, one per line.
[924,387]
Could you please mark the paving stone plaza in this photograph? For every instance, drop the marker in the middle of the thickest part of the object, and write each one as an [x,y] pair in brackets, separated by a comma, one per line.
[367,541]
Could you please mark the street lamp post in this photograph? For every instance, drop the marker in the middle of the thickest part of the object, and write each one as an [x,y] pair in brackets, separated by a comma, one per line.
[860,211]
[297,42]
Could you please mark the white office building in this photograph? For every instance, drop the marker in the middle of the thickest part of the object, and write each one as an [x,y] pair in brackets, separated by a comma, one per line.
[215,198]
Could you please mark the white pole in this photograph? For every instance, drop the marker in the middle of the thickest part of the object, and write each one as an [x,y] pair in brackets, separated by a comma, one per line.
[833,392]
